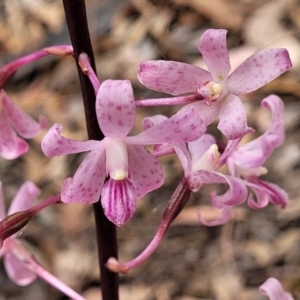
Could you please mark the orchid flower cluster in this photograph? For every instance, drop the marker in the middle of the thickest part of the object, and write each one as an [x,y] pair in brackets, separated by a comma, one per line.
[119,170]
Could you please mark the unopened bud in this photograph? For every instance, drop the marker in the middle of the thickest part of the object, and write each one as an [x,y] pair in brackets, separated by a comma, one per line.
[61,50]
[14,223]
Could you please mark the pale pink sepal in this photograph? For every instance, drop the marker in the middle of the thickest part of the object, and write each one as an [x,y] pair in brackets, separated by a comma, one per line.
[85,186]
[53,144]
[198,147]
[276,106]
[235,194]
[171,77]
[265,193]
[185,126]
[258,70]
[233,119]
[230,148]
[207,113]
[11,146]
[255,153]
[24,124]
[274,290]
[212,45]
[118,199]
[185,158]
[115,108]
[225,214]
[145,172]
[24,198]
[18,273]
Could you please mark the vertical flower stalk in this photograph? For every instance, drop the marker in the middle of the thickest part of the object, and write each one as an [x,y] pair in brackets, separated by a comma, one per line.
[106,232]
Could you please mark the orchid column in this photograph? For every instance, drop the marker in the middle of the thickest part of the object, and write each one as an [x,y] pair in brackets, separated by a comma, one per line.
[106,232]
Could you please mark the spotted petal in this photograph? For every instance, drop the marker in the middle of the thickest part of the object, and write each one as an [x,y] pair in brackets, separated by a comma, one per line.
[53,144]
[207,113]
[115,108]
[85,186]
[258,70]
[145,172]
[25,125]
[233,119]
[184,126]
[212,46]
[172,77]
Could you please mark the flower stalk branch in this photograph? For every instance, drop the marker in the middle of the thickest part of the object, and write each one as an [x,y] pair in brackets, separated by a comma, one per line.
[175,205]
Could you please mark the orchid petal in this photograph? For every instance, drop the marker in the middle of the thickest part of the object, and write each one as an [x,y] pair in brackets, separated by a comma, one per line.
[185,157]
[199,147]
[230,148]
[151,121]
[85,186]
[233,119]
[16,271]
[274,290]
[222,219]
[115,108]
[262,198]
[236,193]
[185,126]
[207,113]
[145,172]
[255,157]
[172,77]
[11,146]
[53,144]
[24,124]
[258,70]
[255,153]
[266,193]
[276,106]
[24,197]
[118,199]
[212,46]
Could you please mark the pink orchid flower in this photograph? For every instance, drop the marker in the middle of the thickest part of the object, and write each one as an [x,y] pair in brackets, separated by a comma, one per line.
[200,160]
[132,170]
[12,120]
[246,160]
[274,290]
[219,91]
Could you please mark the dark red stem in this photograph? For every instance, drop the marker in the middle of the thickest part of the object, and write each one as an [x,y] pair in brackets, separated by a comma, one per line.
[106,232]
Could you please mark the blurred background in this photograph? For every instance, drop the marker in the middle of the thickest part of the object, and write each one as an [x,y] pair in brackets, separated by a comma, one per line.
[194,262]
